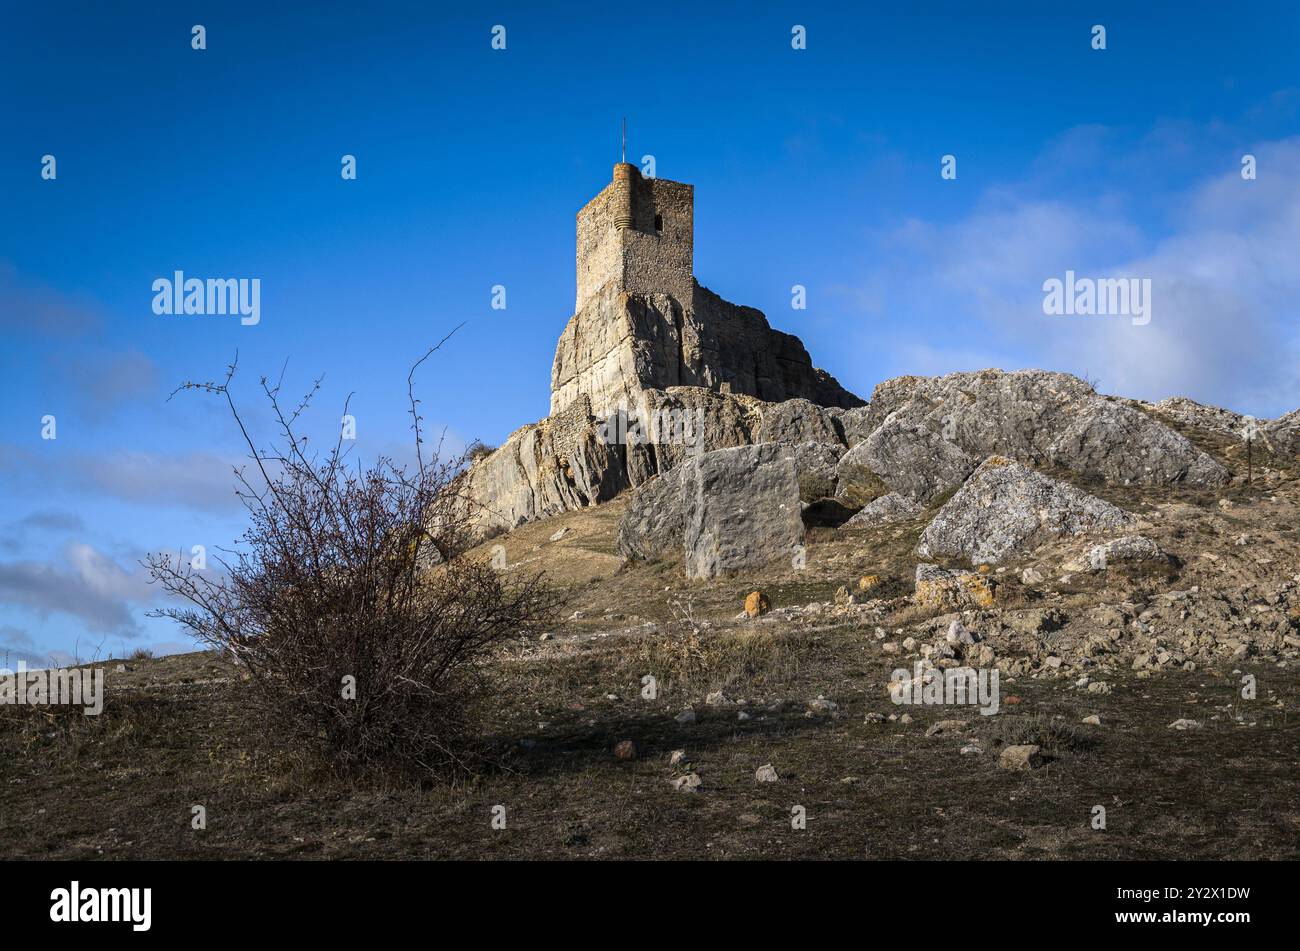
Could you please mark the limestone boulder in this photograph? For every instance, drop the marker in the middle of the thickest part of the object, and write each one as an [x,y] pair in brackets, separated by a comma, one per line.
[740,508]
[885,510]
[854,425]
[797,421]
[652,523]
[913,460]
[953,589]
[1005,507]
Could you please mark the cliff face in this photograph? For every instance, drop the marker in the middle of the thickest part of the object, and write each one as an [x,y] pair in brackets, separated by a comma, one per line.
[620,344]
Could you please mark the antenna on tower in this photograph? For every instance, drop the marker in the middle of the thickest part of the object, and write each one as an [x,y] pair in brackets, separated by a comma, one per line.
[624,158]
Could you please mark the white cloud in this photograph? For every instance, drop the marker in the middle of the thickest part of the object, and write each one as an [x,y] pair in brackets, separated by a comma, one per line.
[1225,287]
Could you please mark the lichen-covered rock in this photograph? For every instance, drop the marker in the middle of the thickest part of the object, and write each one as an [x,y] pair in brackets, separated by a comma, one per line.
[816,464]
[756,604]
[1282,435]
[1128,549]
[941,588]
[1213,419]
[1039,417]
[740,509]
[1124,445]
[1005,507]
[913,460]
[885,510]
[652,523]
[856,483]
[855,424]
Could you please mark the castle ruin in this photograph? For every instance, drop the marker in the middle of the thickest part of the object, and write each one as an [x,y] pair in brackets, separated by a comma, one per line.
[642,321]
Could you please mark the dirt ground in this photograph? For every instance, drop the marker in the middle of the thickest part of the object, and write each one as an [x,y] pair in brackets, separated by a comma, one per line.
[176,732]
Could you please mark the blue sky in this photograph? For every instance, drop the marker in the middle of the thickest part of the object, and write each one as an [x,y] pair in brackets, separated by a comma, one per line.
[817,167]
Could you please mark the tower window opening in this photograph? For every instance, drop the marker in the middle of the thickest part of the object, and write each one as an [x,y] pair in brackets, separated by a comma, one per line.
[659,223]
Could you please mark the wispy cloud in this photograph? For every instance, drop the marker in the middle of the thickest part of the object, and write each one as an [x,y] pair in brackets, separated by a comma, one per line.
[1225,285]
[197,480]
[31,309]
[85,584]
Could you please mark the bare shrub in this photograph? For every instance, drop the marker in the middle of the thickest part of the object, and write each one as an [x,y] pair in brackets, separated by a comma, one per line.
[355,630]
[478,449]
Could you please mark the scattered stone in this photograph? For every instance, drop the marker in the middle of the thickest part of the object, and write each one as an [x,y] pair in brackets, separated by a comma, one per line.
[626,749]
[868,582]
[756,603]
[970,750]
[1129,549]
[1020,757]
[716,699]
[946,727]
[1093,720]
[691,782]
[843,598]
[1185,724]
[938,588]
[874,718]
[958,634]
[766,774]
[686,716]
[1031,576]
[822,707]
[546,637]
[559,534]
[677,757]
[1099,687]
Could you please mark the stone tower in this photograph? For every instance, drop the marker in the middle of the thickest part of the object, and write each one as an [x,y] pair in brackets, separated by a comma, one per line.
[643,322]
[638,234]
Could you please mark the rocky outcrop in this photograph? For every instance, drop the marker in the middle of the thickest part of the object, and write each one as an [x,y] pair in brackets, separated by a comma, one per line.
[619,344]
[573,459]
[1043,418]
[1212,419]
[541,470]
[1005,507]
[740,508]
[1123,445]
[1282,435]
